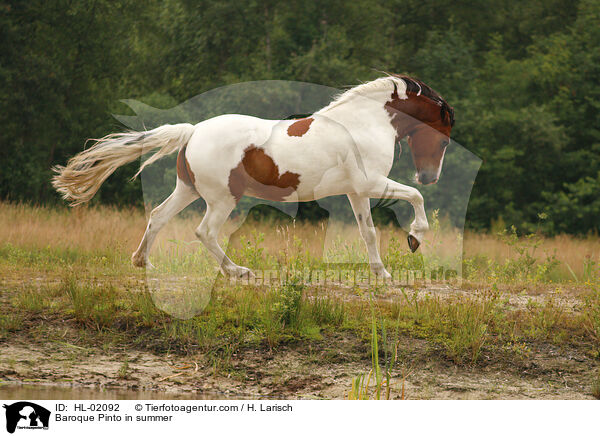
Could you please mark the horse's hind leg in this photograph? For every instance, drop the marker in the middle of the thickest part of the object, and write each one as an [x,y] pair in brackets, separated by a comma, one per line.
[182,196]
[362,212]
[208,232]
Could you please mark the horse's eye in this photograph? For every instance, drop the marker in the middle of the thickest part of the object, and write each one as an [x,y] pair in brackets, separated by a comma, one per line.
[445,143]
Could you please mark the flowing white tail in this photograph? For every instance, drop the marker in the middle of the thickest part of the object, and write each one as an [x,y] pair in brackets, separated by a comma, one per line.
[86,171]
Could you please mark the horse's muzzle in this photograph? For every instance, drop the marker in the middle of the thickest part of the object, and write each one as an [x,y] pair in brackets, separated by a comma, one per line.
[426,178]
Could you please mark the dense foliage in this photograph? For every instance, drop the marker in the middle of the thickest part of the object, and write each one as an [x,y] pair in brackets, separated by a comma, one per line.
[524,78]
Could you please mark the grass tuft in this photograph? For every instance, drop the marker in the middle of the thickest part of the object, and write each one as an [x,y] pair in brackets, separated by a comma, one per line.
[96,307]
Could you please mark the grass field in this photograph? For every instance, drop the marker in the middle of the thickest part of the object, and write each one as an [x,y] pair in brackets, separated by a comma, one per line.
[523,323]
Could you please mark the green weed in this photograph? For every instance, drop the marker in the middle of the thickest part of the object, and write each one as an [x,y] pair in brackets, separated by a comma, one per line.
[287,308]
[93,306]
[459,325]
[591,270]
[543,318]
[591,317]
[326,311]
[31,300]
[252,253]
[361,388]
[145,310]
[10,323]
[123,370]
[596,387]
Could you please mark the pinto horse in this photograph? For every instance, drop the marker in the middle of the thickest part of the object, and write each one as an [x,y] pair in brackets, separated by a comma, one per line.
[345,148]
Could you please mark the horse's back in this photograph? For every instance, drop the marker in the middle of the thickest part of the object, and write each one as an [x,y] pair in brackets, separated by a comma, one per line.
[231,130]
[315,149]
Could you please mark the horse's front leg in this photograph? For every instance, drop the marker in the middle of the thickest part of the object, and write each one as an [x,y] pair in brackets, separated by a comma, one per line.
[362,212]
[387,188]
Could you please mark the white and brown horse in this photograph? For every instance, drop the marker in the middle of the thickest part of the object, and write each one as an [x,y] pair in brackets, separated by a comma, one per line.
[345,148]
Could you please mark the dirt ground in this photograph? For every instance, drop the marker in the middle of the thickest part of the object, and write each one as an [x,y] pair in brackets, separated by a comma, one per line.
[301,371]
[289,374]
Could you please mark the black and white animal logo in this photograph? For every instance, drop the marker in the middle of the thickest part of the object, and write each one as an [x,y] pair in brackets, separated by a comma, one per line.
[26,415]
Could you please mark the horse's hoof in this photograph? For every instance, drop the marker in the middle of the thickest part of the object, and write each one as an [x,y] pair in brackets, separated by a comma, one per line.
[413,243]
[380,272]
[240,272]
[384,275]
[138,261]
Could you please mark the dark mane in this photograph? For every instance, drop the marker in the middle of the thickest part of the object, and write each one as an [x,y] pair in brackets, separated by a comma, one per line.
[415,86]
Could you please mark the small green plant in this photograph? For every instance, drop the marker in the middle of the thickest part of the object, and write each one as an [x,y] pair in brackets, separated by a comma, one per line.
[31,299]
[123,370]
[525,266]
[9,323]
[459,325]
[285,313]
[93,306]
[596,387]
[543,317]
[326,311]
[251,252]
[297,257]
[288,305]
[468,331]
[591,270]
[382,380]
[591,317]
[147,312]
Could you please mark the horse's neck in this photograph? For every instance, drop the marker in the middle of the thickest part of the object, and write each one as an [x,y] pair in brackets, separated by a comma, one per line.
[362,112]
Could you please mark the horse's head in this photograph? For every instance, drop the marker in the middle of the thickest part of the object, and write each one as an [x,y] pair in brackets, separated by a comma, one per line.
[428,142]
[426,119]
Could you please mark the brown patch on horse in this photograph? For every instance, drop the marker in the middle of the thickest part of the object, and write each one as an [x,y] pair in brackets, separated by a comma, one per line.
[418,88]
[427,119]
[421,105]
[300,127]
[258,174]
[184,172]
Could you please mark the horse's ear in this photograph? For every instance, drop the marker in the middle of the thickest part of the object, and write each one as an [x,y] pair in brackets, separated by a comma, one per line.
[447,112]
[450,112]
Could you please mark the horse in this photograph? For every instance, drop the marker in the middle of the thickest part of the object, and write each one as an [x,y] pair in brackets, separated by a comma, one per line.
[345,148]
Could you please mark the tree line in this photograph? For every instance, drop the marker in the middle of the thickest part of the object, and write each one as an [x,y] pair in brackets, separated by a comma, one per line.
[523,77]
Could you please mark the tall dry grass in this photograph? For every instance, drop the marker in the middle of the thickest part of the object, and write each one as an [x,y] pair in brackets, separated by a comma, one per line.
[82,228]
[105,228]
[572,252]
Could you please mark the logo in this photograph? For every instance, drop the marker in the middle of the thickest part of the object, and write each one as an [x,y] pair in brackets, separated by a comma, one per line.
[26,415]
